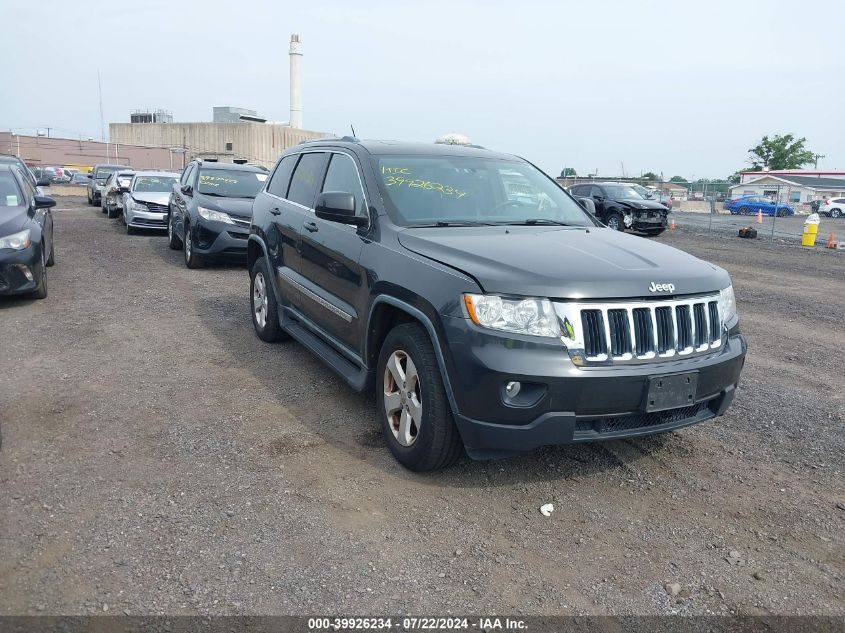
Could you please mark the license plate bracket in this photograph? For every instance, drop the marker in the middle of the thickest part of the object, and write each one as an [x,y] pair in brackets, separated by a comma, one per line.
[671,391]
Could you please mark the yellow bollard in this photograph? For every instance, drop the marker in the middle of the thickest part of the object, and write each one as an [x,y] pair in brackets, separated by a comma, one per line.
[809,236]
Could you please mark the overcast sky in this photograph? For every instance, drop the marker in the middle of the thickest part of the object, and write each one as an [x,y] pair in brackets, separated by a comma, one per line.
[673,87]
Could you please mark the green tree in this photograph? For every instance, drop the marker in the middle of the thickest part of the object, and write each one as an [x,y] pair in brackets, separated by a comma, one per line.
[780,152]
[650,175]
[734,178]
[568,172]
[678,179]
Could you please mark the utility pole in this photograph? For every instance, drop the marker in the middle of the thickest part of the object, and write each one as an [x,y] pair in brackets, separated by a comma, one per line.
[816,158]
[100,90]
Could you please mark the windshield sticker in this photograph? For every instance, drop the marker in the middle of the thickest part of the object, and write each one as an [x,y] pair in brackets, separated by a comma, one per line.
[428,185]
[11,201]
[215,181]
[261,177]
[395,170]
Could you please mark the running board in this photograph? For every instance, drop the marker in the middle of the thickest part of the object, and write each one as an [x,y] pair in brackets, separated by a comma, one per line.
[357,377]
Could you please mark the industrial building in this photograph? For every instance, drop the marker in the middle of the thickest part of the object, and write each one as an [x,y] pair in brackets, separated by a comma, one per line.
[233,133]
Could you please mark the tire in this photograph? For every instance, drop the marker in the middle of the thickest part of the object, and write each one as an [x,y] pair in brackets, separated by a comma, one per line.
[744,211]
[51,261]
[781,213]
[113,213]
[192,260]
[263,304]
[615,221]
[431,441]
[40,291]
[835,213]
[102,205]
[173,239]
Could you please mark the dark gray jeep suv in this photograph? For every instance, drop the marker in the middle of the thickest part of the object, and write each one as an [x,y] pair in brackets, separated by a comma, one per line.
[488,310]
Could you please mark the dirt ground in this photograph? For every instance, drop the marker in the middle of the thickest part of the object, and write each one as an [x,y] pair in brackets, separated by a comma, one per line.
[158,458]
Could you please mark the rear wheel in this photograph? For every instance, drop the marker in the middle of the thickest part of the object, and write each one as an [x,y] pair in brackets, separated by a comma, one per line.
[782,213]
[614,221]
[265,311]
[411,402]
[173,239]
[835,213]
[192,260]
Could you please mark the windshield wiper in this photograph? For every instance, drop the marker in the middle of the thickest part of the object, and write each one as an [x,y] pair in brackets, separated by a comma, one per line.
[533,221]
[212,193]
[441,223]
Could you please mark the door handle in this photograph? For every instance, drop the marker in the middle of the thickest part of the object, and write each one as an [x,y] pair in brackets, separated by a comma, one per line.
[275,211]
[311,227]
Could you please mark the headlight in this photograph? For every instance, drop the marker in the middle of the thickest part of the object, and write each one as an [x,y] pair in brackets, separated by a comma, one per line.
[727,304]
[136,206]
[16,241]
[214,216]
[535,317]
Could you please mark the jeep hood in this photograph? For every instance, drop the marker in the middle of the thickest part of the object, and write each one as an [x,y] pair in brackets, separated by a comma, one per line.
[564,262]
[238,207]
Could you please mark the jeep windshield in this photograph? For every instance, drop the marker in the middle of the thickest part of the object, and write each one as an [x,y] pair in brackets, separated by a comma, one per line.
[459,191]
[103,173]
[619,192]
[230,183]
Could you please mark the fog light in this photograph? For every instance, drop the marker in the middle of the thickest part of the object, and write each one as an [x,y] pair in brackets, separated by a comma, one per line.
[26,272]
[512,388]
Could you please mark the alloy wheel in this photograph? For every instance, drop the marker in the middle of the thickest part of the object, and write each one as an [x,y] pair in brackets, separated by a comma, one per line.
[259,300]
[613,223]
[402,398]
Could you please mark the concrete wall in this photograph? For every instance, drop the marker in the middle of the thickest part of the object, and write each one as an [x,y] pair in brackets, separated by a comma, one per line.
[66,152]
[259,143]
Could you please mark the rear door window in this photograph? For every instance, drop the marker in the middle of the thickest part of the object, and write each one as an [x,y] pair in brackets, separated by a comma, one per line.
[306,178]
[281,176]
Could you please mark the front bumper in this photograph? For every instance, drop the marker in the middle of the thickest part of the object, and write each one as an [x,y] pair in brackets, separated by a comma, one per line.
[145,219]
[218,240]
[645,220]
[562,403]
[13,268]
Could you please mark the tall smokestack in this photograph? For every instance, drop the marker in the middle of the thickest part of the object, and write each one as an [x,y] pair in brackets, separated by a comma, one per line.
[295,82]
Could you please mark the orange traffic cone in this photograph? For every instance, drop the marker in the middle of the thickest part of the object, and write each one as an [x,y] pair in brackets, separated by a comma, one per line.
[831,240]
[760,216]
[672,223]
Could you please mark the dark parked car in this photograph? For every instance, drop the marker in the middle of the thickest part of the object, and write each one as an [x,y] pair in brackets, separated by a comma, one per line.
[26,235]
[210,210]
[97,180]
[619,206]
[486,316]
[79,178]
[28,173]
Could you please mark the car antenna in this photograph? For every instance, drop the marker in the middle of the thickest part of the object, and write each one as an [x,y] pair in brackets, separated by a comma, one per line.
[352,127]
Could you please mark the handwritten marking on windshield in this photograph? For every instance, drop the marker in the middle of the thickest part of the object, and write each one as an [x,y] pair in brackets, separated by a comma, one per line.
[428,185]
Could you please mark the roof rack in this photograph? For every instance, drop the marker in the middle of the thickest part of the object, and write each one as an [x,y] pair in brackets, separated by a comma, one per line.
[240,161]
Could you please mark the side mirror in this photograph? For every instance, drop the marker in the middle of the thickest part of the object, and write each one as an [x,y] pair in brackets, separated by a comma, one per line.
[90,175]
[588,205]
[43,182]
[43,202]
[188,190]
[337,206]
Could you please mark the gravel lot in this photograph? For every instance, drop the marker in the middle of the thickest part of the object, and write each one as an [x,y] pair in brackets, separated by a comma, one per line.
[785,229]
[158,458]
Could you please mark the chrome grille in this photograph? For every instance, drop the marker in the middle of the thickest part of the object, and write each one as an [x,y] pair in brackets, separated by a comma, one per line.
[640,331]
[157,208]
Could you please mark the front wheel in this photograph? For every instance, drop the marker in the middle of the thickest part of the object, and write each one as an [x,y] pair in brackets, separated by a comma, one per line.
[192,260]
[173,239]
[744,211]
[781,213]
[615,222]
[835,213]
[113,213]
[40,291]
[265,311]
[411,402]
[51,261]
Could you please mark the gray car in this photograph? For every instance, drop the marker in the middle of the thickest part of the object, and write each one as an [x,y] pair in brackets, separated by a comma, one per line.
[111,197]
[145,201]
[97,180]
